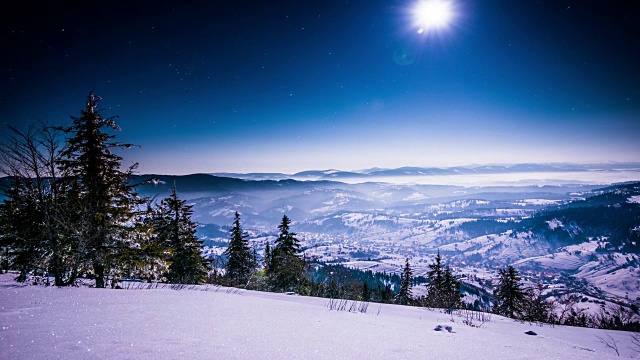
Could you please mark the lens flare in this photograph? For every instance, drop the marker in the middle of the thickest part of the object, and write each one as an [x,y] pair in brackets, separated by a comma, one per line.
[432,14]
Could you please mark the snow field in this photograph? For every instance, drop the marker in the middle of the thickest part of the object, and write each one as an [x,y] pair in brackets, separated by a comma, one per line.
[81,323]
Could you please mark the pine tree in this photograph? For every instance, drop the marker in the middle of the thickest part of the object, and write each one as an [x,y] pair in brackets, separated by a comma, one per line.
[287,243]
[150,262]
[175,228]
[386,294]
[536,307]
[100,191]
[266,262]
[366,293]
[443,290]
[509,296]
[240,261]
[436,283]
[287,267]
[404,296]
[254,257]
[451,296]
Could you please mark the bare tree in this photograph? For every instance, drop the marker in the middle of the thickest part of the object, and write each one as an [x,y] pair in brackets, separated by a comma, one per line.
[610,342]
[567,305]
[33,215]
[635,340]
[621,314]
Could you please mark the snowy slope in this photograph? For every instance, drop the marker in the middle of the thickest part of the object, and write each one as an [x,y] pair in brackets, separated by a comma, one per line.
[83,323]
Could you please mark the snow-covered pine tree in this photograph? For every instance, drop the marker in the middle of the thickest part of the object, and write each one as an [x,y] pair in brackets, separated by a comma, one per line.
[174,227]
[100,192]
[509,295]
[150,261]
[287,266]
[404,296]
[240,261]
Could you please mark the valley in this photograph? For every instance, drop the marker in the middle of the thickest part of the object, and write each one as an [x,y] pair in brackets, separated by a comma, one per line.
[543,230]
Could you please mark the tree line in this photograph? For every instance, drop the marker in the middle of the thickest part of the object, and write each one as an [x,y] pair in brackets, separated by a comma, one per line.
[71,211]
[285,269]
[529,304]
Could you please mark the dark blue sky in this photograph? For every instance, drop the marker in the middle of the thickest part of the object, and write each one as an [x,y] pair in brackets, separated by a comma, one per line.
[283,86]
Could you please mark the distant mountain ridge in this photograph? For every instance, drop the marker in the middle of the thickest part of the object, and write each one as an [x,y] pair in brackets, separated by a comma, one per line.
[334,174]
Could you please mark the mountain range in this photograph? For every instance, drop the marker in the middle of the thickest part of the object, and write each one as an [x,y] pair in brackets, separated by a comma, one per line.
[373,173]
[575,239]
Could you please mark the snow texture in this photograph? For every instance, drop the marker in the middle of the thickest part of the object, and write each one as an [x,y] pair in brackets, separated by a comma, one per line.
[214,323]
[634,199]
[554,224]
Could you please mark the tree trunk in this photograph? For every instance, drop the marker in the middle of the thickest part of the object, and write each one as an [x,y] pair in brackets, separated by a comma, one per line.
[57,270]
[98,269]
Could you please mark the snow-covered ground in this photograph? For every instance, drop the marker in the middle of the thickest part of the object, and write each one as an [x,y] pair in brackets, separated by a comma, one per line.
[85,323]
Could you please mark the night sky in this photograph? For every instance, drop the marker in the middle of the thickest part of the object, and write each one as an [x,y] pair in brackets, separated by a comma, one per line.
[285,86]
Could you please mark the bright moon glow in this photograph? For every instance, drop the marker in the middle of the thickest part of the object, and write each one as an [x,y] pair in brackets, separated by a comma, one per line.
[432,14]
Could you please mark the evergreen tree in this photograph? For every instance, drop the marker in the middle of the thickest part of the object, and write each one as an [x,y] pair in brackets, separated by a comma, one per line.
[386,294]
[287,267]
[254,257]
[287,243]
[264,275]
[451,296]
[100,191]
[366,293]
[536,307]
[174,227]
[266,262]
[436,283]
[509,296]
[443,289]
[404,295]
[240,260]
[150,261]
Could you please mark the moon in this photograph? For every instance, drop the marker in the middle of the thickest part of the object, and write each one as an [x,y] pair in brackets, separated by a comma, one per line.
[432,14]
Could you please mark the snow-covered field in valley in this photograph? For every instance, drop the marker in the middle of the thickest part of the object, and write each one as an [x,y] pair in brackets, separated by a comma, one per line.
[218,323]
